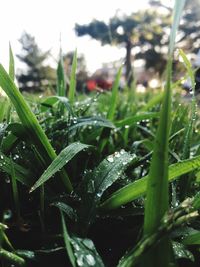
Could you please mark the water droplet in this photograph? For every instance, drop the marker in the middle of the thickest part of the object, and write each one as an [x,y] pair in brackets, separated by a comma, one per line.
[7,214]
[122,151]
[117,154]
[80,260]
[7,179]
[110,159]
[76,246]
[90,259]
[127,126]
[91,187]
[1,157]
[88,243]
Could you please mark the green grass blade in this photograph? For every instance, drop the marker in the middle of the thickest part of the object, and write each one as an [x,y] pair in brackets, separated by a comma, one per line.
[59,162]
[95,183]
[138,188]
[185,182]
[137,118]
[152,102]
[30,123]
[69,211]
[91,121]
[157,198]
[61,81]
[114,96]
[11,64]
[11,257]
[15,191]
[72,84]
[157,189]
[67,241]
[50,101]
[192,239]
[4,106]
[23,175]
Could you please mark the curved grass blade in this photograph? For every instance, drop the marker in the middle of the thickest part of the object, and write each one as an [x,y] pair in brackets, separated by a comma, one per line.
[31,123]
[138,188]
[91,121]
[69,211]
[11,257]
[86,253]
[59,162]
[49,102]
[192,239]
[137,118]
[114,96]
[72,84]
[152,102]
[95,183]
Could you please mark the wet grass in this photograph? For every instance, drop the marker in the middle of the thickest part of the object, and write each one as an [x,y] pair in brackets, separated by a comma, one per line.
[106,179]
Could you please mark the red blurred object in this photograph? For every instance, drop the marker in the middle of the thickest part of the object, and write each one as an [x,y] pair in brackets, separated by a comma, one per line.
[95,84]
[91,85]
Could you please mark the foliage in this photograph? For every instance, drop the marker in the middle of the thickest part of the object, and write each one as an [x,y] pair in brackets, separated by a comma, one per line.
[143,29]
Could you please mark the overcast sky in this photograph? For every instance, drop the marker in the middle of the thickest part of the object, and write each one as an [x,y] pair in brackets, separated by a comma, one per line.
[47,19]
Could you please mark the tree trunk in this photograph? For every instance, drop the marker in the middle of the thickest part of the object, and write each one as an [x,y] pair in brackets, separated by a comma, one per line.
[129,72]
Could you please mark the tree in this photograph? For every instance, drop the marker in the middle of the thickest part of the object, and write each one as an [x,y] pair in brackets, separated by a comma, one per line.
[37,75]
[189,29]
[143,29]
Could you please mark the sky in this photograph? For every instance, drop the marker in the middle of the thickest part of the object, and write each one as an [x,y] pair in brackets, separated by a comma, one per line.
[47,20]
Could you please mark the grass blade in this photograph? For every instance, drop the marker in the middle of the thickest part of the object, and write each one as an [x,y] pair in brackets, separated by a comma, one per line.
[94,185]
[11,64]
[22,175]
[185,181]
[61,81]
[114,97]
[91,121]
[157,199]
[15,191]
[72,84]
[137,118]
[59,162]
[138,188]
[67,241]
[30,122]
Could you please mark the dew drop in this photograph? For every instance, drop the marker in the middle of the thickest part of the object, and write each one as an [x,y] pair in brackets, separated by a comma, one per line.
[110,159]
[90,260]
[80,260]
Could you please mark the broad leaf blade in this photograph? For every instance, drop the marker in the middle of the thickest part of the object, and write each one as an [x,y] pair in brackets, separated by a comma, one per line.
[94,185]
[138,188]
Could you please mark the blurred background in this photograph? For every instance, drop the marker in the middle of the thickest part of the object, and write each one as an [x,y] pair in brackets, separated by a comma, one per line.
[106,34]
